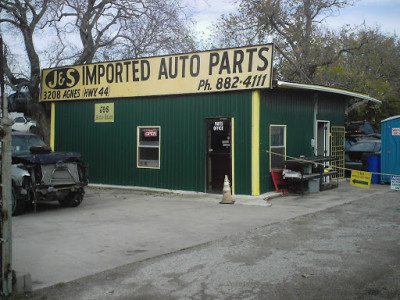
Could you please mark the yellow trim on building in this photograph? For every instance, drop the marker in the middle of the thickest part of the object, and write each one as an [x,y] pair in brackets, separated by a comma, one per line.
[52,125]
[233,154]
[255,143]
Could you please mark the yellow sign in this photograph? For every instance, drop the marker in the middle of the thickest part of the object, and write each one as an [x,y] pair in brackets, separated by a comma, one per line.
[104,112]
[201,72]
[361,179]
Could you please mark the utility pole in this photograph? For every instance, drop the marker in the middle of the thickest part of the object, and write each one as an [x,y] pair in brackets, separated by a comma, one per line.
[6,189]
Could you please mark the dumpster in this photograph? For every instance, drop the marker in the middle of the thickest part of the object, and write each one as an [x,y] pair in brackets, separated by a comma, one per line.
[313,185]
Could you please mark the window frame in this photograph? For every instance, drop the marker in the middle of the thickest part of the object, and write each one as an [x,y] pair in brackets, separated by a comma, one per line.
[17,120]
[277,147]
[139,146]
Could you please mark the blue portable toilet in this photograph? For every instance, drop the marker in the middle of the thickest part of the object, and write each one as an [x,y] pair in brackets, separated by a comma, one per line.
[390,151]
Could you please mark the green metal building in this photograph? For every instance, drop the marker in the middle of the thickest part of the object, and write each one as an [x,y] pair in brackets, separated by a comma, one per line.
[190,141]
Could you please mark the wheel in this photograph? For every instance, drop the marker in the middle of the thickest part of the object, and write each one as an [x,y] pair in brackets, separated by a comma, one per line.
[18,204]
[73,199]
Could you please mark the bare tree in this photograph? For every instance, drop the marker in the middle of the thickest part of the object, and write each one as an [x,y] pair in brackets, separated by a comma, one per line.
[112,29]
[164,30]
[235,30]
[25,17]
[96,23]
[373,69]
[295,26]
[79,32]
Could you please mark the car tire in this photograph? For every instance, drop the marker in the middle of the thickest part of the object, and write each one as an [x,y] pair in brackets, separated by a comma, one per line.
[18,204]
[74,199]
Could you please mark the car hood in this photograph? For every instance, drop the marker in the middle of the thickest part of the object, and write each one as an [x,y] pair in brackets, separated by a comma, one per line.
[47,158]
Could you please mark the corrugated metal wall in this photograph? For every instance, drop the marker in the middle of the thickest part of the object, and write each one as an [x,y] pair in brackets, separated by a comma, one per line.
[296,110]
[291,108]
[110,148]
[332,108]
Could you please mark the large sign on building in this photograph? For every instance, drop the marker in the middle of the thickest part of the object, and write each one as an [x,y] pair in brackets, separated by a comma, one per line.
[209,71]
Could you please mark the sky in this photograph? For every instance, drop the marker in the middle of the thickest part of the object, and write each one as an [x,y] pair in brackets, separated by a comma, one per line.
[382,13]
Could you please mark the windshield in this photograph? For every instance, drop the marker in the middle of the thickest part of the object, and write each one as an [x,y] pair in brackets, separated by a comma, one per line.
[367,128]
[22,143]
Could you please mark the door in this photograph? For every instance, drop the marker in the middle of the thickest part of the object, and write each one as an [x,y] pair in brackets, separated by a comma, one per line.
[323,142]
[218,153]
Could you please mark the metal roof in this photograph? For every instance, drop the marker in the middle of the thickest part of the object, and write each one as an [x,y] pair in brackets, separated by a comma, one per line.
[391,118]
[284,84]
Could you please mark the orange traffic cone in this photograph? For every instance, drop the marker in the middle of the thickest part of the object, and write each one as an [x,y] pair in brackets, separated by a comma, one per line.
[226,197]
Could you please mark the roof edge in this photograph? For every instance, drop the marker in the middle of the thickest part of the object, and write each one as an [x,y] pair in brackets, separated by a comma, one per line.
[284,84]
[390,118]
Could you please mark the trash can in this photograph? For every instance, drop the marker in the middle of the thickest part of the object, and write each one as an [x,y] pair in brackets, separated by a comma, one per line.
[313,185]
[374,165]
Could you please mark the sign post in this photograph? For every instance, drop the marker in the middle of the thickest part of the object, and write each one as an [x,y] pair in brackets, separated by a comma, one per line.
[395,183]
[361,179]
[6,193]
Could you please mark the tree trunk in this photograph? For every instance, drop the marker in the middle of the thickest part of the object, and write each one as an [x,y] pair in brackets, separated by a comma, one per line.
[41,113]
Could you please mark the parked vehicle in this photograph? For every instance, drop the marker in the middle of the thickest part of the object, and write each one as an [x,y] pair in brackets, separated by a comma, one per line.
[18,102]
[40,175]
[356,154]
[357,130]
[23,124]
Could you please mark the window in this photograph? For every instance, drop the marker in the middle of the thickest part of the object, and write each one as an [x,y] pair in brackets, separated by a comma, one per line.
[19,120]
[148,147]
[277,146]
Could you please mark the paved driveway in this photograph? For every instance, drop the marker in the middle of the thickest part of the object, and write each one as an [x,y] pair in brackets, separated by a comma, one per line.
[114,227]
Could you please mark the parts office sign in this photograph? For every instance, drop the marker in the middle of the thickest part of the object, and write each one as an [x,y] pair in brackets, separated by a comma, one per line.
[210,71]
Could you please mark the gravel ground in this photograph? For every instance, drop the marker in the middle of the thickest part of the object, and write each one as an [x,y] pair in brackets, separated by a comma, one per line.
[351,251]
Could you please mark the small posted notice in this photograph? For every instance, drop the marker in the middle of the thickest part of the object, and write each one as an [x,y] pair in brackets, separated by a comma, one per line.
[395,131]
[361,179]
[104,113]
[395,183]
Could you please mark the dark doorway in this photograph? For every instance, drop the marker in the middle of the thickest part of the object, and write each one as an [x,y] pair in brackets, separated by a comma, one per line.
[219,154]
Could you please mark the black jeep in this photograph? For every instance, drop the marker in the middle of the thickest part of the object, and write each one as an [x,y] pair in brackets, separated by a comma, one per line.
[40,175]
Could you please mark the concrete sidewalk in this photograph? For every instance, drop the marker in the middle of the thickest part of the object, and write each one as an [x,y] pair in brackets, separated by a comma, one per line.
[114,227]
